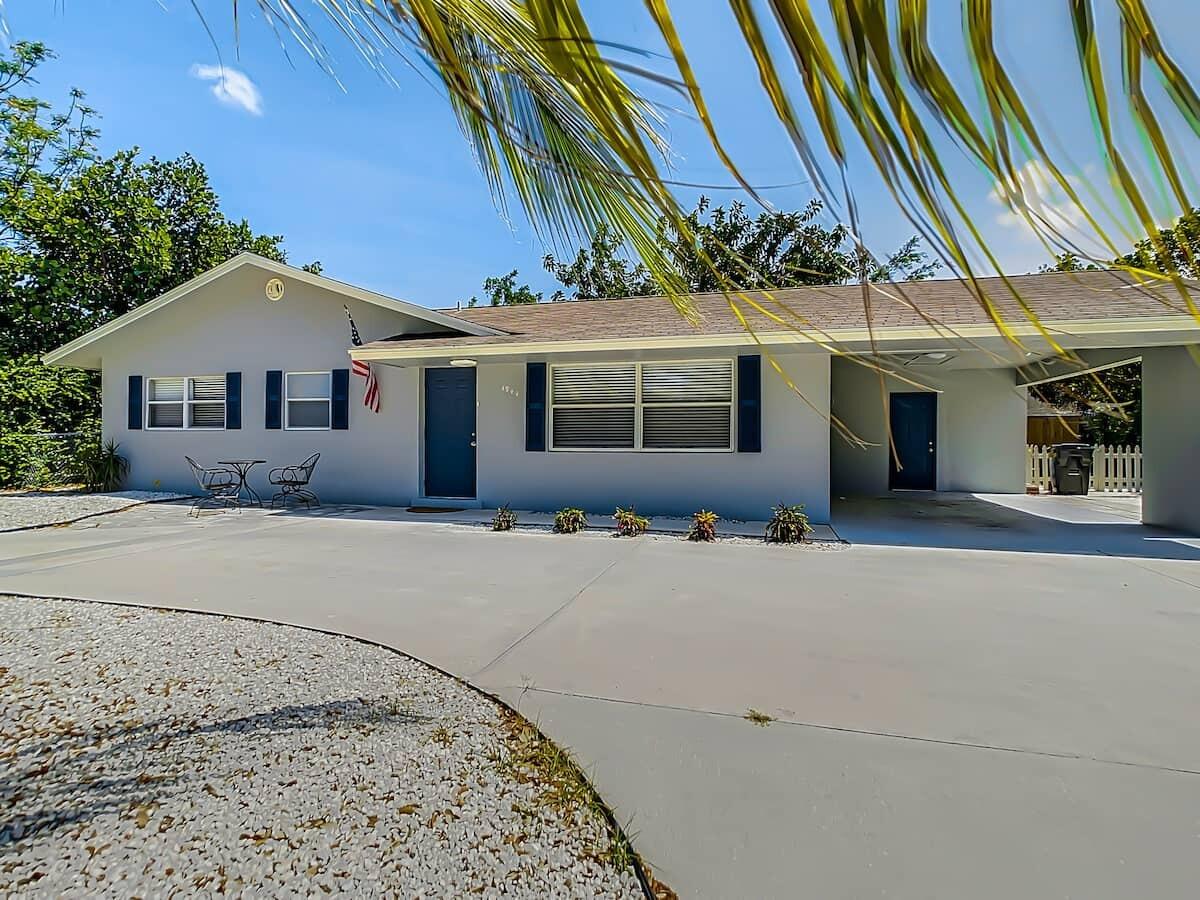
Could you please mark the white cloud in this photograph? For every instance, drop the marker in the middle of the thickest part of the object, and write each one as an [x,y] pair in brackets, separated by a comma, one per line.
[231,87]
[1035,191]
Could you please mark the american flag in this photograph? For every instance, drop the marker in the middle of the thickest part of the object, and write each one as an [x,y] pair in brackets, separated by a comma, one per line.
[363,368]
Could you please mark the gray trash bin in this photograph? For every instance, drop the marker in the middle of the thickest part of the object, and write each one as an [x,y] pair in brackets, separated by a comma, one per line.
[1072,468]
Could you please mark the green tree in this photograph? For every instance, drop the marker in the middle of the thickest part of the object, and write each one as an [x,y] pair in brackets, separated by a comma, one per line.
[118,232]
[1111,402]
[502,290]
[600,270]
[1173,249]
[1069,262]
[84,239]
[719,246]
[1112,399]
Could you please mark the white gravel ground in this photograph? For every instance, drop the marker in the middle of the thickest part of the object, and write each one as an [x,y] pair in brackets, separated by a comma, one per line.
[26,509]
[149,753]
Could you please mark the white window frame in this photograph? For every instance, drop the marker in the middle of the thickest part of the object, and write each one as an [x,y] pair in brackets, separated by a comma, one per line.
[186,402]
[287,408]
[639,406]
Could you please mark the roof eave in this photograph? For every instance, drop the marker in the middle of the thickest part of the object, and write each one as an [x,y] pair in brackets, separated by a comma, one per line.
[1187,330]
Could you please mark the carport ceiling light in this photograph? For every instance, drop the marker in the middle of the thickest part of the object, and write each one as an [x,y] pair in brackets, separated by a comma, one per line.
[462,363]
[934,358]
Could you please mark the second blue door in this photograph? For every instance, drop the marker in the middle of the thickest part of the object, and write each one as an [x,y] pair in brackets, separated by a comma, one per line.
[450,432]
[914,431]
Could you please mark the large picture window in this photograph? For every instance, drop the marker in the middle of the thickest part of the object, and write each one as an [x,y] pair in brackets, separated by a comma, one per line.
[642,406]
[196,401]
[307,400]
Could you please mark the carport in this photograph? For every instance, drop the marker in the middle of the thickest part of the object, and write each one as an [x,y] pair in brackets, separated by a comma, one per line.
[1170,424]
[948,414]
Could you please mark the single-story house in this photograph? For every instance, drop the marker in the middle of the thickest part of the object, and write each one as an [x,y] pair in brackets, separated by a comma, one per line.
[605,402]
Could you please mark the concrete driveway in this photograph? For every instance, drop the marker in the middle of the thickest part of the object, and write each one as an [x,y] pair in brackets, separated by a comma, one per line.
[948,722]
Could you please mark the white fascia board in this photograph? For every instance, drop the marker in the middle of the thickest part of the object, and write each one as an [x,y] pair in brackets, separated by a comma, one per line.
[1186,329]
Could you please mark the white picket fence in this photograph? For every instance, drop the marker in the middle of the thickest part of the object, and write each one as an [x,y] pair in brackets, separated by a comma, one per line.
[1113,468]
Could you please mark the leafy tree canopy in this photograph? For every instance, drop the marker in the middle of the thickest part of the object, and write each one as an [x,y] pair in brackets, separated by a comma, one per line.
[1111,403]
[84,238]
[502,290]
[770,250]
[1172,249]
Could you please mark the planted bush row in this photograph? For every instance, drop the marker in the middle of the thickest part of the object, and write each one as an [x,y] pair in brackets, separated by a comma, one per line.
[788,523]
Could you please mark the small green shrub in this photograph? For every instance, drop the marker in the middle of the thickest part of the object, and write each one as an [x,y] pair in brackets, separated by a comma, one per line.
[629,523]
[504,519]
[569,520]
[704,526]
[788,524]
[104,469]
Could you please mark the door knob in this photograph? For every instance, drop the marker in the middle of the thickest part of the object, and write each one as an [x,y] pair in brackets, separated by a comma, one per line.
[472,443]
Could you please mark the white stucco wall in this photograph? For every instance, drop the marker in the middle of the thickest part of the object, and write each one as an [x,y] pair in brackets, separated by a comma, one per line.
[793,466]
[1171,439]
[229,326]
[980,430]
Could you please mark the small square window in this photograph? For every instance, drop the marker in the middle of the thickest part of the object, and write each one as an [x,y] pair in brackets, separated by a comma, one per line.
[188,402]
[307,400]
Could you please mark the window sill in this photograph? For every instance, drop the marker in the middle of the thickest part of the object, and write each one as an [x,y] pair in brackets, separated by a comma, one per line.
[641,450]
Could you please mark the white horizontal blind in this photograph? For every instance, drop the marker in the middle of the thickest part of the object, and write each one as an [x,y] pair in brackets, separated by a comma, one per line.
[591,385]
[594,428]
[642,406]
[167,389]
[688,382]
[181,402]
[687,405]
[593,407]
[685,427]
[206,408]
[165,402]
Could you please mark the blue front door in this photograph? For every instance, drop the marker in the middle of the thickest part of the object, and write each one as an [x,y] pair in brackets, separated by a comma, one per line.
[450,432]
[914,431]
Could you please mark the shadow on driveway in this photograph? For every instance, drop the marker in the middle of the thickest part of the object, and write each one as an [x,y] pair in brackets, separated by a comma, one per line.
[1096,525]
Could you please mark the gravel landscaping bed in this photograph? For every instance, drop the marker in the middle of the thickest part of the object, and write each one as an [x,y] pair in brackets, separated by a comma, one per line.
[31,509]
[151,753]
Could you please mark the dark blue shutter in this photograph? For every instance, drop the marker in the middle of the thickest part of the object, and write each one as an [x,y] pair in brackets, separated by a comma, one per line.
[233,399]
[535,406]
[340,397]
[135,402]
[749,394]
[274,399]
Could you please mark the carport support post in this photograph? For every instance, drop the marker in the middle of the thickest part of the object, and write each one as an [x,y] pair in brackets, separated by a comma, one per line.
[1171,439]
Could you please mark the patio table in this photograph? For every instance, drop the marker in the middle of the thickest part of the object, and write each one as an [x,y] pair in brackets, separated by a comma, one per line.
[242,467]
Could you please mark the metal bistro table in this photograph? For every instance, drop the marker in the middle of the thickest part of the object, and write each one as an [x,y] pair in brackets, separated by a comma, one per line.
[243,467]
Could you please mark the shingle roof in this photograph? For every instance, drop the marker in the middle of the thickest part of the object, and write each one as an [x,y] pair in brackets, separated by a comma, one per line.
[1055,297]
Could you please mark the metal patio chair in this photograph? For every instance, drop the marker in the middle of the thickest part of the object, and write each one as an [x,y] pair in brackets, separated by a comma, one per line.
[292,482]
[219,487]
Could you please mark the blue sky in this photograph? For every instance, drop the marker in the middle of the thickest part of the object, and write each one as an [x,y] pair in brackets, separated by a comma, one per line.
[376,181]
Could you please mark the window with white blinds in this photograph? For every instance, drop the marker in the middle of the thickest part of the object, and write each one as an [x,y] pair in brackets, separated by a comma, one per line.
[642,406]
[186,402]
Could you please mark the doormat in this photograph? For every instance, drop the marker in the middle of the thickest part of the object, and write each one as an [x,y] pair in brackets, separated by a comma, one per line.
[434,509]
